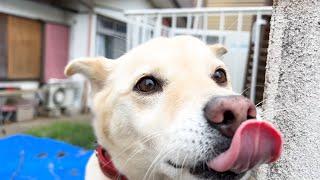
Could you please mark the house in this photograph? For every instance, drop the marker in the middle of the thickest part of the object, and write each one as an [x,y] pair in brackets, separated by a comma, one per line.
[39,37]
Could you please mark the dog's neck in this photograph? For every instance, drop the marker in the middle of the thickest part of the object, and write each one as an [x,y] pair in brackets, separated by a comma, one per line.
[106,164]
[131,164]
[138,168]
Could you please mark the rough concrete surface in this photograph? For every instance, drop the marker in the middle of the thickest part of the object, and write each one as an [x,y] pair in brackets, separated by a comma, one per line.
[292,94]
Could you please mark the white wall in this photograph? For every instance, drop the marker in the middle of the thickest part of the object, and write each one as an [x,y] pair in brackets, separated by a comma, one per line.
[79,36]
[114,8]
[125,4]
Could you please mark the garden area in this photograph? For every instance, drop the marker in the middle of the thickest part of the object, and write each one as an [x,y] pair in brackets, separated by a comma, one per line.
[75,133]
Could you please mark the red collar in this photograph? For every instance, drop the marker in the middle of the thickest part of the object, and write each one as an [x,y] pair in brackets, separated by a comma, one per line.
[107,166]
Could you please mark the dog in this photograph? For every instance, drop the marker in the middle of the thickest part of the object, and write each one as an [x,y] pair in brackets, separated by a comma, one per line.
[166,110]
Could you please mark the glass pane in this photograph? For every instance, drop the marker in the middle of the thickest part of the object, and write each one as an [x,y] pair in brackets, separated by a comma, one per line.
[100,45]
[121,28]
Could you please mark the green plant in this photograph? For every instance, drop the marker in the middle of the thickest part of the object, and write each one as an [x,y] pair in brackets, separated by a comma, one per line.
[76,133]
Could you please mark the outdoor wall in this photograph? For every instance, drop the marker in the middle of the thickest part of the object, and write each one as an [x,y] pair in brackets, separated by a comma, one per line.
[82,25]
[79,23]
[31,10]
[79,36]
[56,51]
[293,88]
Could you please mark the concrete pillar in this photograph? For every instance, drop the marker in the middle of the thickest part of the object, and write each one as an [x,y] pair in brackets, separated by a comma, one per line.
[292,93]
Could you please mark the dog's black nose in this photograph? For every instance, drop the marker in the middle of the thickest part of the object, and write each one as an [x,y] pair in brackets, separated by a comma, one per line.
[226,113]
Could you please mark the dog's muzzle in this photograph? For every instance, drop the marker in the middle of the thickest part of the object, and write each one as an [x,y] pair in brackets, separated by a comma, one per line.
[253,142]
[226,113]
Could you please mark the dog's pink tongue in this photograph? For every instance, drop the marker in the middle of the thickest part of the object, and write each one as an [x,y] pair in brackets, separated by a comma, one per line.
[254,143]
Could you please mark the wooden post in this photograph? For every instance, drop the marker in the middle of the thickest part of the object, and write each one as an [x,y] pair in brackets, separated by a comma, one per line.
[292,93]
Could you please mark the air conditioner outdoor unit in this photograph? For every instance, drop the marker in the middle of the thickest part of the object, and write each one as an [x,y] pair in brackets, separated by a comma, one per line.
[61,95]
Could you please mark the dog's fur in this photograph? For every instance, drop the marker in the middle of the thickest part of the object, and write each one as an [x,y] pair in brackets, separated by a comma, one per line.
[142,132]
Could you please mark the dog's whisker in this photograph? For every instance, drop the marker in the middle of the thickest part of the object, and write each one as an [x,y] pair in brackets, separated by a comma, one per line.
[136,150]
[177,156]
[160,156]
[149,137]
[259,103]
[155,159]
[154,167]
[277,110]
[165,155]
[145,139]
[195,162]
[262,101]
[151,168]
[132,155]
[181,172]
[245,90]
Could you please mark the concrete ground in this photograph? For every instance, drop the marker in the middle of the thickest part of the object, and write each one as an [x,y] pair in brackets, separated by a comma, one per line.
[20,127]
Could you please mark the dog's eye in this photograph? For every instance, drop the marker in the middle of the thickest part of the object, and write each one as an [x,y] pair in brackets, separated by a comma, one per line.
[220,76]
[147,85]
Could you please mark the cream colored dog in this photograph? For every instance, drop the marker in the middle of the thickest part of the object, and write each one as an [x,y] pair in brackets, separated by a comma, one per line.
[166,110]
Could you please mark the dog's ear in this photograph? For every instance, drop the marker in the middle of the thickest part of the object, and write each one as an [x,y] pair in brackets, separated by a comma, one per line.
[218,49]
[95,69]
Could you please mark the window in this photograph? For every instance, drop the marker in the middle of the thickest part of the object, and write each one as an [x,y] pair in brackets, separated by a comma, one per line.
[111,38]
[20,48]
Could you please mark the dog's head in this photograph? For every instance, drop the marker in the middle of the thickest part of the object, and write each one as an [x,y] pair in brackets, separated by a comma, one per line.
[166,108]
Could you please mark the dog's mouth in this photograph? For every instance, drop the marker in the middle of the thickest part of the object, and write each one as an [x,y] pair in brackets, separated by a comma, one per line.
[201,169]
[254,143]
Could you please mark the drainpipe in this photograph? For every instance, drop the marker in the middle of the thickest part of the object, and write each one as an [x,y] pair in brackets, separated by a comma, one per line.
[257,29]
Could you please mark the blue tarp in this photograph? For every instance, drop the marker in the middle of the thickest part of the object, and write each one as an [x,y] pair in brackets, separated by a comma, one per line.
[28,157]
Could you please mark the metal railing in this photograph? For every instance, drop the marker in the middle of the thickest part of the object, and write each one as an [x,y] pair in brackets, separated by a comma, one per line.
[149,23]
